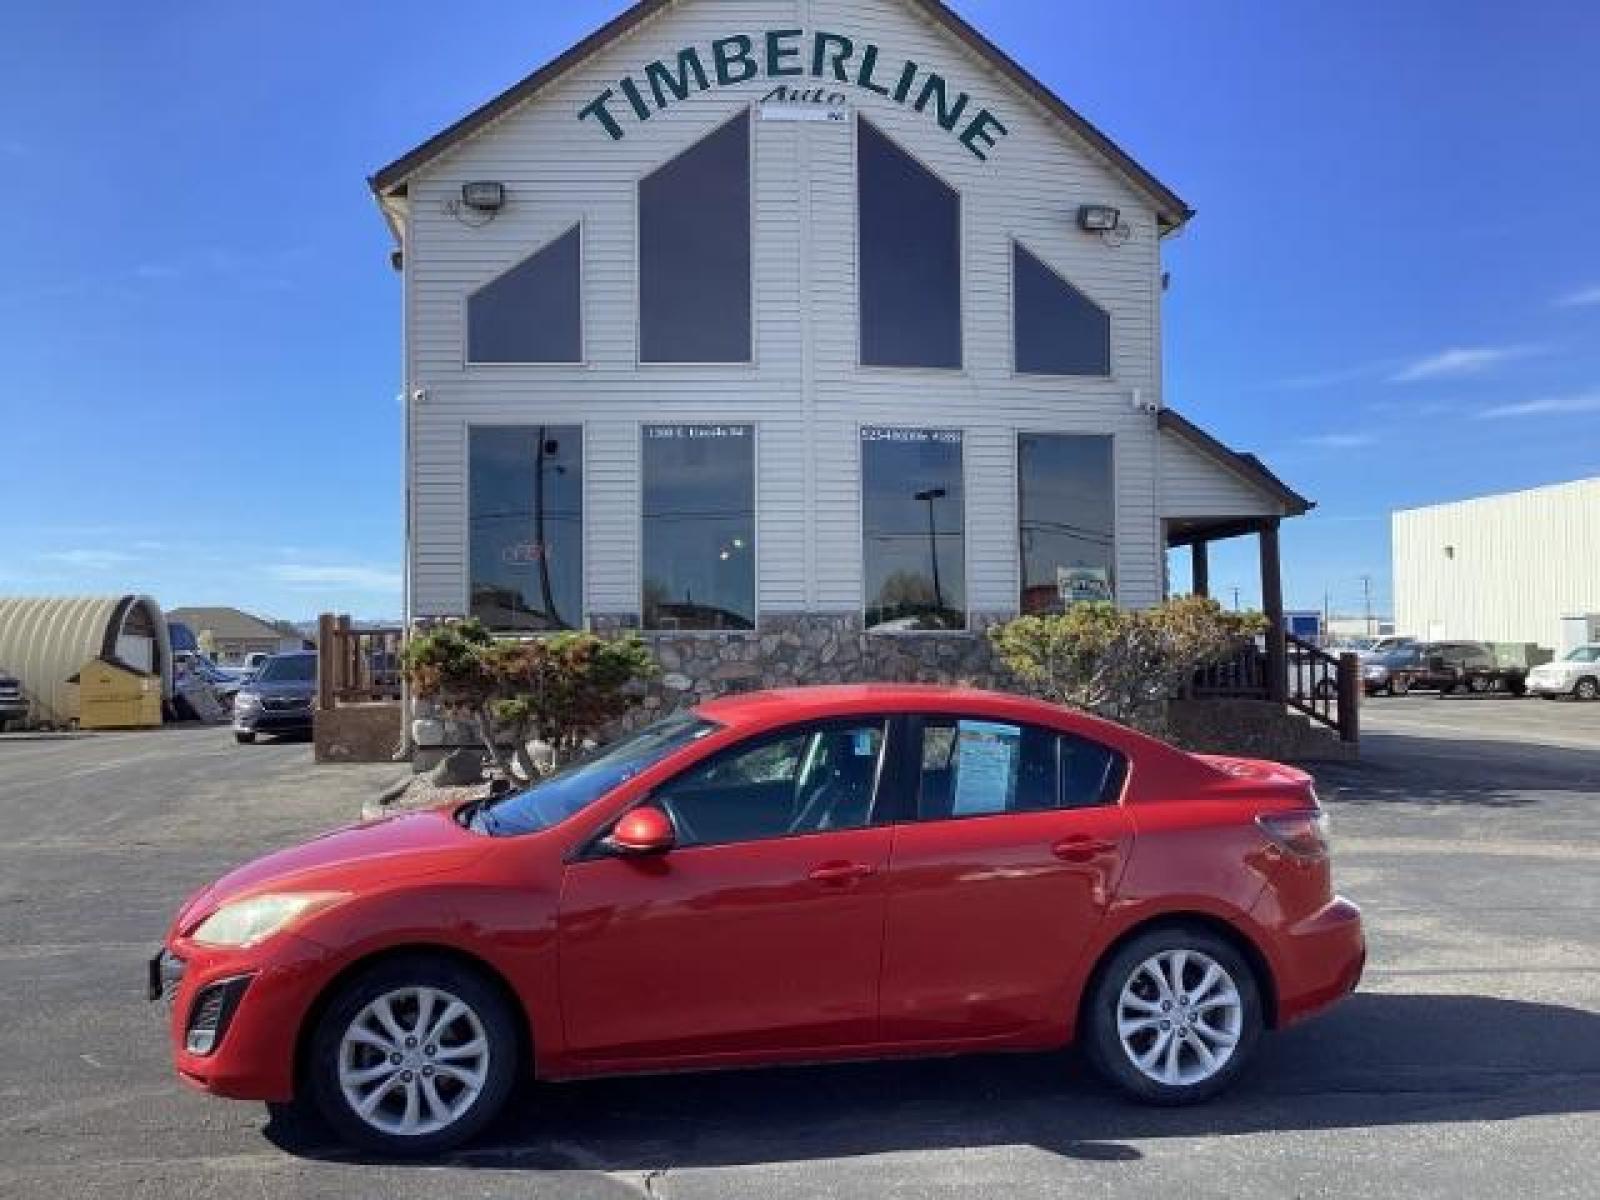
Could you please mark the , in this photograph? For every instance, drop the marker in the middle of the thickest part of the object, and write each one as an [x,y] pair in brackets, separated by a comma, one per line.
[799,876]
